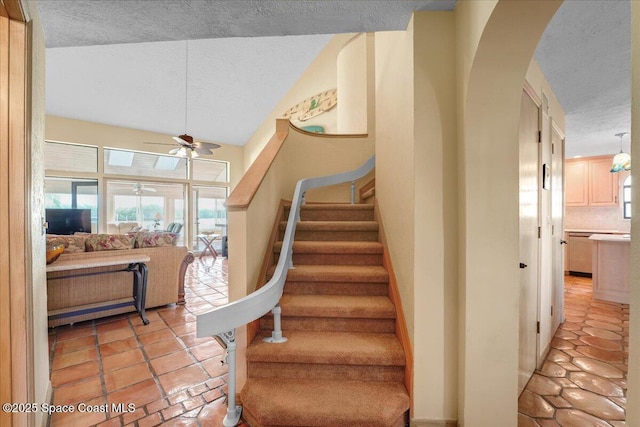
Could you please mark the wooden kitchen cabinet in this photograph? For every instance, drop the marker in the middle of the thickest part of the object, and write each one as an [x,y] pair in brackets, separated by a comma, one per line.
[576,182]
[589,182]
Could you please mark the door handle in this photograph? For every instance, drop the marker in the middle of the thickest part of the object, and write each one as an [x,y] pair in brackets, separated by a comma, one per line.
[523,265]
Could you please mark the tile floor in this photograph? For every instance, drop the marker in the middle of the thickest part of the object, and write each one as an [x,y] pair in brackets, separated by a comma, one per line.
[582,383]
[175,379]
[167,374]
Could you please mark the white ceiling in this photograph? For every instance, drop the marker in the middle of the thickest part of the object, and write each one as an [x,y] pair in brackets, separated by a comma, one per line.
[123,62]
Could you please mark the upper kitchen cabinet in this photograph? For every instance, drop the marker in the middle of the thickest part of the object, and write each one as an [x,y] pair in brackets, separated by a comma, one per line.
[576,182]
[589,182]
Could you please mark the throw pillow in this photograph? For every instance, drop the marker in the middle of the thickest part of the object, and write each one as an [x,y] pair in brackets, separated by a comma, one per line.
[151,239]
[107,242]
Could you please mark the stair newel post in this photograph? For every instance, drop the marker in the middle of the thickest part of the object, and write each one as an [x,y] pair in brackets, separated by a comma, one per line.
[233,411]
[353,192]
[276,334]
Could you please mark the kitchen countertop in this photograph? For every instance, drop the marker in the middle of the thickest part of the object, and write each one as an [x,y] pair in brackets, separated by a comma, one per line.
[611,237]
[568,230]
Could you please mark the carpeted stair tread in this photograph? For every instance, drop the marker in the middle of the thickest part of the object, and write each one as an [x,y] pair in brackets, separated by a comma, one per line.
[348,306]
[336,273]
[289,402]
[331,324]
[322,247]
[332,206]
[318,372]
[340,348]
[333,226]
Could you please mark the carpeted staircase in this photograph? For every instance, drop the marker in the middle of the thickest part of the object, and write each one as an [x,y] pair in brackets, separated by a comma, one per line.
[342,364]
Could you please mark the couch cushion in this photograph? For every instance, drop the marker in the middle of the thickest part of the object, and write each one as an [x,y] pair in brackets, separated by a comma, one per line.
[148,239]
[75,243]
[107,242]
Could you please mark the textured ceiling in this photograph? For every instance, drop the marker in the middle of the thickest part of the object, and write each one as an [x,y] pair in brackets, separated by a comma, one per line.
[585,54]
[93,22]
[123,62]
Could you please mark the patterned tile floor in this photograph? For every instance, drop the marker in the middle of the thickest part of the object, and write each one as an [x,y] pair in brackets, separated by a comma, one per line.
[582,383]
[168,375]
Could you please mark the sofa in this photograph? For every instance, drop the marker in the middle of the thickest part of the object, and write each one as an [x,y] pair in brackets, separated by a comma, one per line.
[165,281]
[121,227]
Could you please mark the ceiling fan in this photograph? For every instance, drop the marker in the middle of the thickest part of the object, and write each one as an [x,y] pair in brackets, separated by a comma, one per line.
[139,189]
[184,144]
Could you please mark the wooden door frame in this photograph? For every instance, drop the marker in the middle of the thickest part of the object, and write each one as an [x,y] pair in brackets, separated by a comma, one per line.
[16,328]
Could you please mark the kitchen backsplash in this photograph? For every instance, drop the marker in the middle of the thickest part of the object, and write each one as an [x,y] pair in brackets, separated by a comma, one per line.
[595,218]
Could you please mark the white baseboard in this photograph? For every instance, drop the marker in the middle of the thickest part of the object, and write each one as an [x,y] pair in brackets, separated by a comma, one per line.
[42,418]
[434,423]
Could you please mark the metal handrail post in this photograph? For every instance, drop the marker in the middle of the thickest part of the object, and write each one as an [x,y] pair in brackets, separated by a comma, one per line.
[228,340]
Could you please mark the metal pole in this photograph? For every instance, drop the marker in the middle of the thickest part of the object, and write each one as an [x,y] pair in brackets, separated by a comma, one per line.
[233,411]
[353,192]
[276,334]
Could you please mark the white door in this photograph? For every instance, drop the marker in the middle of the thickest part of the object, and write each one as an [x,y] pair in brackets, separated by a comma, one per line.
[545,282]
[529,118]
[557,224]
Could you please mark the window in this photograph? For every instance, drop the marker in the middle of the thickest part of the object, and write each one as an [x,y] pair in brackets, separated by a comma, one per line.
[626,197]
[210,170]
[149,205]
[66,157]
[72,193]
[122,162]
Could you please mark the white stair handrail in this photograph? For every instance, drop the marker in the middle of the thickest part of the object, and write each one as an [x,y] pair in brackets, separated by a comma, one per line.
[222,321]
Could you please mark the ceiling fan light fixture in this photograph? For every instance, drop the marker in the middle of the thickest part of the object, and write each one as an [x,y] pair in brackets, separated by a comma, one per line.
[621,161]
[182,152]
[194,154]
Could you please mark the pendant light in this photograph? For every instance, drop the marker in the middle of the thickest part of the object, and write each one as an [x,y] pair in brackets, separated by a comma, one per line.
[621,161]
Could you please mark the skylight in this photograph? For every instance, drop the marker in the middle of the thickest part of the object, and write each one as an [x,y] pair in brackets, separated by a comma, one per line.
[120,158]
[167,163]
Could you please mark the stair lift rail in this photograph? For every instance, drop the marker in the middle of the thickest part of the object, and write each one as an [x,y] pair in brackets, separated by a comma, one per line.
[222,321]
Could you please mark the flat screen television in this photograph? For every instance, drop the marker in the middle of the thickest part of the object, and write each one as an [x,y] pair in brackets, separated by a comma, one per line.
[68,221]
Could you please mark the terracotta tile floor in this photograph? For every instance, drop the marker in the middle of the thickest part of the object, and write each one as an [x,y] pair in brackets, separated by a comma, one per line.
[167,374]
[583,380]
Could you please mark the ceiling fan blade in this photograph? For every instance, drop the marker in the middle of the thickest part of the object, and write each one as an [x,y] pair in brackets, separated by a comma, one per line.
[207,145]
[174,150]
[153,190]
[203,151]
[181,141]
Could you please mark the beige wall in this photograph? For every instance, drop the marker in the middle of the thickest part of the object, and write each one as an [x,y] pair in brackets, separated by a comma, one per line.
[352,86]
[394,131]
[435,271]
[42,386]
[415,191]
[320,76]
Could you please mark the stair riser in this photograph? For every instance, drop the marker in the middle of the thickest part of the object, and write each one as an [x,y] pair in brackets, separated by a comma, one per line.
[335,288]
[335,259]
[334,236]
[325,372]
[315,324]
[334,215]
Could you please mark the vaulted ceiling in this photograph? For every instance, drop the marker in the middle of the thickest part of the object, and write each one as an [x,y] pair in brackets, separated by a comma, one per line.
[128,63]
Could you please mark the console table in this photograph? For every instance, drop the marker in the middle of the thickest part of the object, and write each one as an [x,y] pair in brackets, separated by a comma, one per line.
[135,263]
